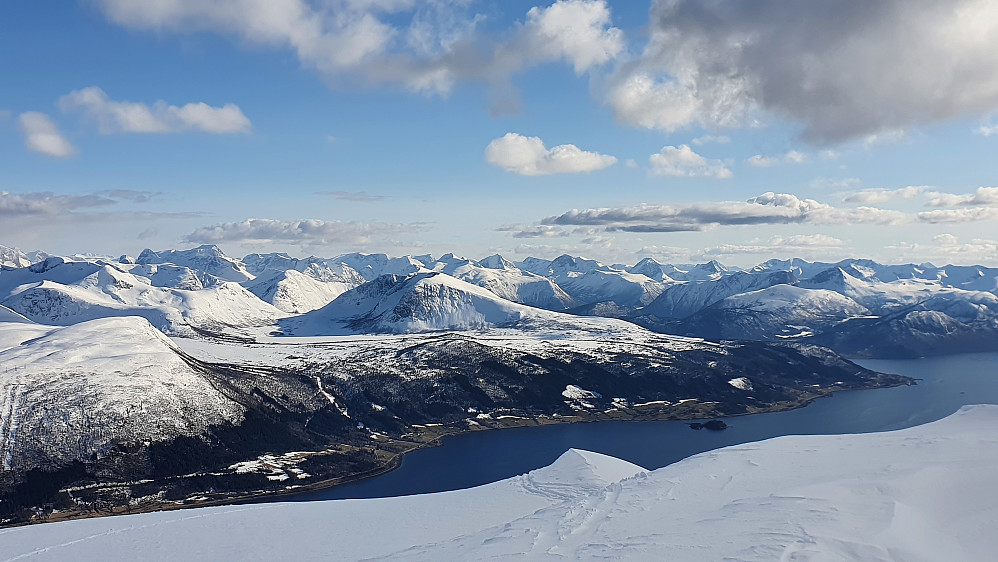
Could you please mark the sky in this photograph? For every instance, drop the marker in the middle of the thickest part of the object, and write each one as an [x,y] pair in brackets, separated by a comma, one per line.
[680,130]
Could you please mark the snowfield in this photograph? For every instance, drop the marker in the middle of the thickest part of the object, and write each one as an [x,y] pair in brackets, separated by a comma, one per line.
[921,494]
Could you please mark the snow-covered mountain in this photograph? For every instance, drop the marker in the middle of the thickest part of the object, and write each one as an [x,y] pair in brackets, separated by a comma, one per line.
[589,282]
[207,260]
[426,301]
[505,280]
[682,300]
[61,292]
[779,311]
[298,285]
[70,393]
[177,289]
[371,266]
[919,494]
[13,258]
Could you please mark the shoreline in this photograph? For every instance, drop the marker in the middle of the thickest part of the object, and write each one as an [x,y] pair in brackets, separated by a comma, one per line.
[433,436]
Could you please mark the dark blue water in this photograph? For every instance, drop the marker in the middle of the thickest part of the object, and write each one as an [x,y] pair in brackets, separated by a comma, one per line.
[472,459]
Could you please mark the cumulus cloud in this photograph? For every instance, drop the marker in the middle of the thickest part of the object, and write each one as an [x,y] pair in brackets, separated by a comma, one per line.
[984,196]
[423,46]
[528,156]
[973,214]
[763,161]
[768,208]
[42,135]
[843,70]
[682,161]
[133,117]
[576,31]
[306,232]
[880,195]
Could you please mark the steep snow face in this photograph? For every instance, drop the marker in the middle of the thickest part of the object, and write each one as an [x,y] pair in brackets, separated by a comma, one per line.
[787,301]
[656,271]
[371,266]
[920,494]
[495,261]
[208,260]
[69,393]
[507,282]
[8,315]
[297,293]
[65,292]
[627,290]
[13,258]
[777,312]
[882,297]
[421,302]
[680,301]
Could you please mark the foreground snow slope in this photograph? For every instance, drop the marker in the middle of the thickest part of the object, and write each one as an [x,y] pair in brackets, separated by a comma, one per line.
[920,494]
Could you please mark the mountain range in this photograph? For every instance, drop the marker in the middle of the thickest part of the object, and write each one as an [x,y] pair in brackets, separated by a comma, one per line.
[190,376]
[855,306]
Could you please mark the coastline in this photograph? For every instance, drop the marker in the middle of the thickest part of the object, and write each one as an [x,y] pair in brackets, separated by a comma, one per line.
[434,435]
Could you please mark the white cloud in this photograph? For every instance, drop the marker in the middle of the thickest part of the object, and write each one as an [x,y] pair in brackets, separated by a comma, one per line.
[987,129]
[763,161]
[305,232]
[768,208]
[705,139]
[133,117]
[42,135]
[423,46]
[528,156]
[843,70]
[574,30]
[984,196]
[536,231]
[880,195]
[973,214]
[47,203]
[682,161]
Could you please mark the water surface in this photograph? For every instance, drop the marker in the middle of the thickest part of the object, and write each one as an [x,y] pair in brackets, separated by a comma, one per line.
[945,384]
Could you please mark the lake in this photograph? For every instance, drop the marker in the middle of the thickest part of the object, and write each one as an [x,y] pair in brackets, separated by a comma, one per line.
[945,384]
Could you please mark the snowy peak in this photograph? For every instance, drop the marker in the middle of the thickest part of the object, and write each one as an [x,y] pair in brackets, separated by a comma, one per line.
[584,469]
[371,266]
[425,301]
[207,259]
[496,261]
[13,258]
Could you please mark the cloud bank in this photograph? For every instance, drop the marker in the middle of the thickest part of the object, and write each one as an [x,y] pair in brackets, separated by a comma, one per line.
[305,232]
[768,208]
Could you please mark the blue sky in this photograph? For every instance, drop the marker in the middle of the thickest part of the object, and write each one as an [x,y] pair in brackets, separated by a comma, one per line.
[399,126]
